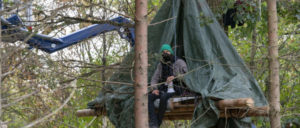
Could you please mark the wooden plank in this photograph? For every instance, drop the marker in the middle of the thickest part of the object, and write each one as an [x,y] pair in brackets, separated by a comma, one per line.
[178,113]
[183,109]
[178,117]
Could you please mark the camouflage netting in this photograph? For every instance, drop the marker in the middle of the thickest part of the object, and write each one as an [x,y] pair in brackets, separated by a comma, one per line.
[215,68]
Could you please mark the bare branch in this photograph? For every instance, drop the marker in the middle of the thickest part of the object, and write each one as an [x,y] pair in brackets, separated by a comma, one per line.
[19,99]
[162,21]
[54,112]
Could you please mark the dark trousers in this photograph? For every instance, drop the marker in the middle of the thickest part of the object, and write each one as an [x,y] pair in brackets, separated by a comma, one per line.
[155,120]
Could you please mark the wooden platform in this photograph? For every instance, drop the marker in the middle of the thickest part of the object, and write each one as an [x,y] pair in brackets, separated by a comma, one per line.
[182,108]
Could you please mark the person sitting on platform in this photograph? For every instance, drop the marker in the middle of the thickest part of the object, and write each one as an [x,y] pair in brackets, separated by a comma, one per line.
[169,68]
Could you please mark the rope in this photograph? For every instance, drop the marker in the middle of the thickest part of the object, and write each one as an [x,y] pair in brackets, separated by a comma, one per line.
[236,111]
[200,116]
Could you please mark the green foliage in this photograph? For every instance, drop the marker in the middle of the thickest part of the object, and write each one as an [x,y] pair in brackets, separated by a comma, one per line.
[289,50]
[204,20]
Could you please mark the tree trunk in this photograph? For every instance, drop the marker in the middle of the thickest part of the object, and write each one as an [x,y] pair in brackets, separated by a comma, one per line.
[274,90]
[104,121]
[141,63]
[2,125]
[253,50]
[0,68]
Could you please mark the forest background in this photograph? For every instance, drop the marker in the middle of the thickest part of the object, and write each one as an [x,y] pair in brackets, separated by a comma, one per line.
[35,85]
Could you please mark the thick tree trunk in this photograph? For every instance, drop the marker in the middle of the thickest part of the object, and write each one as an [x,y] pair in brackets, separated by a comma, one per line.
[141,63]
[274,90]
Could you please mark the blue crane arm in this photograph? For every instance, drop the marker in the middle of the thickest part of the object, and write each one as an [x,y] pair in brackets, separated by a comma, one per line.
[51,44]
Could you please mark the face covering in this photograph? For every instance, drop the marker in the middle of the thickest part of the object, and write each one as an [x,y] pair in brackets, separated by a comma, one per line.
[167,57]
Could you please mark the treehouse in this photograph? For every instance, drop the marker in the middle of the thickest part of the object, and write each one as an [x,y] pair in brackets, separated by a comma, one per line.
[226,93]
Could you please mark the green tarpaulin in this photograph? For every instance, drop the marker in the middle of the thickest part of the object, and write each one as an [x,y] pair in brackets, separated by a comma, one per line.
[215,68]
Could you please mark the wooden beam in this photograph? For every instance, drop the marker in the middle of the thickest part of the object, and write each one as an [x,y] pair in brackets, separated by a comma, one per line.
[179,114]
[235,113]
[234,103]
[245,112]
[222,104]
[90,112]
[238,108]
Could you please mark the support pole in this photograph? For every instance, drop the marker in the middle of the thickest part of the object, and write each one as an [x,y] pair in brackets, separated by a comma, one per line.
[141,63]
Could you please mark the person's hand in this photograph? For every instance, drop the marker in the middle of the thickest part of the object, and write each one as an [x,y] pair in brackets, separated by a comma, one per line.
[156,92]
[170,79]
